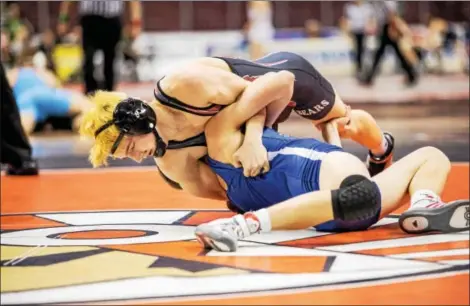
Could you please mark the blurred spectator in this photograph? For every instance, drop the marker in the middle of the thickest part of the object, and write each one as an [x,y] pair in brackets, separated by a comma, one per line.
[101,30]
[63,62]
[358,22]
[467,44]
[46,47]
[420,50]
[73,37]
[314,29]
[394,32]
[444,37]
[130,55]
[18,30]
[16,151]
[244,43]
[5,47]
[259,27]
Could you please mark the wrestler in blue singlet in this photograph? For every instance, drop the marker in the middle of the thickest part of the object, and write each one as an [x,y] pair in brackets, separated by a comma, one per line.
[295,170]
[33,95]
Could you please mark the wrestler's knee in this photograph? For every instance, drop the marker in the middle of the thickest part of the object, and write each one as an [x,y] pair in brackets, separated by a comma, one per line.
[338,110]
[357,200]
[435,156]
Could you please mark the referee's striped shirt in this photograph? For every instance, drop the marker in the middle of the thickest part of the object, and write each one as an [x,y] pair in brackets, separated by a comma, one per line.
[381,9]
[108,9]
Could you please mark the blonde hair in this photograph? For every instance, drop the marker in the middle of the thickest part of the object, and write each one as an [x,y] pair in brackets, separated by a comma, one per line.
[104,104]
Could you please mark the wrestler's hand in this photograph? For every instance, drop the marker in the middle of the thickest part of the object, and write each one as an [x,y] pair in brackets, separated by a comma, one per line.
[253,157]
[346,125]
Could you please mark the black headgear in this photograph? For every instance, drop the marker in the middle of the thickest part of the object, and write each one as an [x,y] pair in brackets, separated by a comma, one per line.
[134,117]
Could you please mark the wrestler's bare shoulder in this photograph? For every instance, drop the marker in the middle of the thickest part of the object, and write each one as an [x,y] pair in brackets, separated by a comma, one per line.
[211,62]
[203,82]
[194,70]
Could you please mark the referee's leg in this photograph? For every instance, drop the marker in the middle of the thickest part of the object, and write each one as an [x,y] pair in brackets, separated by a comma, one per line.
[16,150]
[407,66]
[359,42]
[89,46]
[109,50]
[384,40]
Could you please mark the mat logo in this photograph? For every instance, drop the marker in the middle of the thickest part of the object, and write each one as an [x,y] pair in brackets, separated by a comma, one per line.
[98,256]
[98,235]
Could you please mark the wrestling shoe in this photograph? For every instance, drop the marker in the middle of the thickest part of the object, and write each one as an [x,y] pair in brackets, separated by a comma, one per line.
[222,235]
[441,217]
[375,164]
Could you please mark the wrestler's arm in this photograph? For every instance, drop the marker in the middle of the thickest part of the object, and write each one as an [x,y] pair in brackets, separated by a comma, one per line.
[254,127]
[214,85]
[192,175]
[208,185]
[201,181]
[252,156]
[203,85]
[264,90]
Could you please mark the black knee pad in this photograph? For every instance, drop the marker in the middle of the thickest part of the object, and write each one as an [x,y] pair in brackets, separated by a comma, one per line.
[357,199]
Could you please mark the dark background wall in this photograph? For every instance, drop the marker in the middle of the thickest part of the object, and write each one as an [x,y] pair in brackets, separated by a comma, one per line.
[223,15]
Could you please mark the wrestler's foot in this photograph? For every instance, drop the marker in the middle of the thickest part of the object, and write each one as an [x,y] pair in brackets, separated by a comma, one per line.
[445,218]
[223,234]
[375,164]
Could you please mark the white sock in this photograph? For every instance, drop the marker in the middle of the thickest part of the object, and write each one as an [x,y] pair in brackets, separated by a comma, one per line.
[425,199]
[380,151]
[258,221]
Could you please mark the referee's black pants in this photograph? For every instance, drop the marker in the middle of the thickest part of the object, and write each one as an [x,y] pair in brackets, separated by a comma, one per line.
[386,40]
[16,148]
[359,50]
[100,33]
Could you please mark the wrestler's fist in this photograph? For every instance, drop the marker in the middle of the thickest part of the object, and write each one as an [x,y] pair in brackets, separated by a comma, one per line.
[347,127]
[252,157]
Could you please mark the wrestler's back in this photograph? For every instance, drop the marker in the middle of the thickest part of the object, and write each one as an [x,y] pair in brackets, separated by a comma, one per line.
[305,74]
[313,94]
[295,167]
